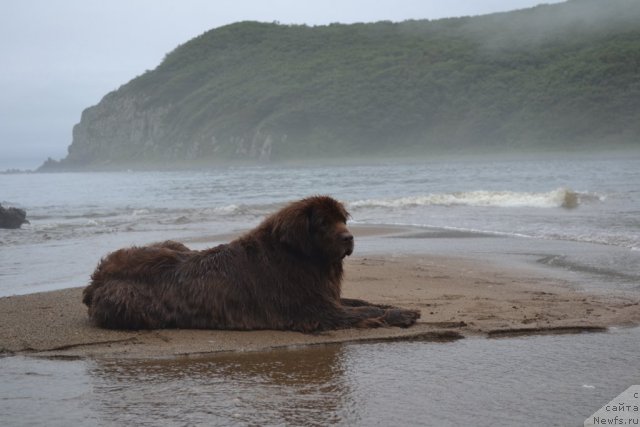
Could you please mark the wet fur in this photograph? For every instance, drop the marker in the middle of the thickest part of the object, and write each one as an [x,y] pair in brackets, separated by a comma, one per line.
[285,274]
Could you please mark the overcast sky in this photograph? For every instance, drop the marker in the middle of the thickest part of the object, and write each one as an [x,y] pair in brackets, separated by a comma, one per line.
[59,57]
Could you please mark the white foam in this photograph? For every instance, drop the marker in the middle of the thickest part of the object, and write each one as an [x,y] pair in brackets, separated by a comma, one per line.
[229,209]
[561,197]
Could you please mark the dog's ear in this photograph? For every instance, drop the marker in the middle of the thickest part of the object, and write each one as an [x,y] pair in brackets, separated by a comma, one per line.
[292,226]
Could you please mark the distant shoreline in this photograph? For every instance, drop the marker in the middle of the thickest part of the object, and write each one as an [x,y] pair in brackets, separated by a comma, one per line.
[622,152]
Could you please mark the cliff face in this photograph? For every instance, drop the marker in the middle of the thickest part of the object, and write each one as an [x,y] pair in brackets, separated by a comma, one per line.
[115,129]
[123,130]
[562,76]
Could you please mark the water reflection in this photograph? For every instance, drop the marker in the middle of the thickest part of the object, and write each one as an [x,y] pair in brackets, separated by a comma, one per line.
[293,387]
[537,380]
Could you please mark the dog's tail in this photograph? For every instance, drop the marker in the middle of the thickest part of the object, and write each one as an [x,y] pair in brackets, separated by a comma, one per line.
[120,294]
[121,304]
[87,295]
[136,264]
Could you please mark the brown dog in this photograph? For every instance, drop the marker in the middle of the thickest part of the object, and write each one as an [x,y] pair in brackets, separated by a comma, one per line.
[285,274]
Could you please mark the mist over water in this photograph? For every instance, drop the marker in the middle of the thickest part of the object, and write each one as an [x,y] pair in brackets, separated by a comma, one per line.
[22,163]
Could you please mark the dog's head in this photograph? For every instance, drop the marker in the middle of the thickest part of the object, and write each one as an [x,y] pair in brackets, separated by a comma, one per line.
[314,226]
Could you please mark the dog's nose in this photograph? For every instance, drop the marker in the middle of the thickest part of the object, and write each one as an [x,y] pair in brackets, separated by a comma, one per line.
[347,241]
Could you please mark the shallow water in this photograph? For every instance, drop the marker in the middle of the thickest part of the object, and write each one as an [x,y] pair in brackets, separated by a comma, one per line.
[539,380]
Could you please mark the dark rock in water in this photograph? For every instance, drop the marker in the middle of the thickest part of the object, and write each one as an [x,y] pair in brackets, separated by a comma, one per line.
[12,217]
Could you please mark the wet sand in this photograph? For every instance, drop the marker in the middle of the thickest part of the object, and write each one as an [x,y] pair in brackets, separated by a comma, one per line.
[457,298]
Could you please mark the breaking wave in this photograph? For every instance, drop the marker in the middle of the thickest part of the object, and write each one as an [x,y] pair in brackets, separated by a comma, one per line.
[559,198]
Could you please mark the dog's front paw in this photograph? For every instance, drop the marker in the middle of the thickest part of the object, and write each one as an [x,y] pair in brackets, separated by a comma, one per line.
[401,317]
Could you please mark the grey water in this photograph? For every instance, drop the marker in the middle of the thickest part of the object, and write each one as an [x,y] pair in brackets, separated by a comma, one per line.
[576,215]
[531,381]
[574,219]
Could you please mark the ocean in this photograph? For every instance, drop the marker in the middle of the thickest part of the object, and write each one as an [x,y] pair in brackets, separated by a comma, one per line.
[579,215]
[577,219]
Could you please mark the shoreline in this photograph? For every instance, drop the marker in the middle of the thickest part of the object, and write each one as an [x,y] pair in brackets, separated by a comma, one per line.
[458,298]
[359,231]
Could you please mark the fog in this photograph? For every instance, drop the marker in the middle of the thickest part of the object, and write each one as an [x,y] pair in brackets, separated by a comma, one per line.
[62,57]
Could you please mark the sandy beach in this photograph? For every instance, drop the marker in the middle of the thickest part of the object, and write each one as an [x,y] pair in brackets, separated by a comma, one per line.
[457,297]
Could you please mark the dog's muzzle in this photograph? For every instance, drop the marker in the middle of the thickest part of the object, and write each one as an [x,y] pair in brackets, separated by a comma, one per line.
[347,241]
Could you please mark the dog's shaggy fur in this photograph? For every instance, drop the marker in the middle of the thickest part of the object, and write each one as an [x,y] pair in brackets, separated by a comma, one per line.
[285,274]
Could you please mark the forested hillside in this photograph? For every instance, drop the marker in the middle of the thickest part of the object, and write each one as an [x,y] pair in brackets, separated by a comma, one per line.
[554,77]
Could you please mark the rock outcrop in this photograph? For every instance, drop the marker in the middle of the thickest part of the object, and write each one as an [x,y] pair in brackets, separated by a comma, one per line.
[12,217]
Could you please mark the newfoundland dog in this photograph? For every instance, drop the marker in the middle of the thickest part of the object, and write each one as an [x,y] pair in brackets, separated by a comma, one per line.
[285,274]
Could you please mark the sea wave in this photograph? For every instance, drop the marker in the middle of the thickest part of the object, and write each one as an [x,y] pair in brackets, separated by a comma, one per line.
[559,198]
